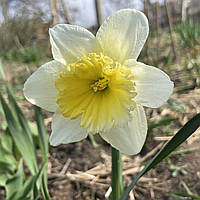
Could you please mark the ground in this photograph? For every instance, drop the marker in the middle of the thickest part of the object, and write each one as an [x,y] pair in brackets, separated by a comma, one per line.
[82,157]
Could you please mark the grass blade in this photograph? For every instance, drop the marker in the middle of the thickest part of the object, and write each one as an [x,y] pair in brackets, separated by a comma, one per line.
[187,130]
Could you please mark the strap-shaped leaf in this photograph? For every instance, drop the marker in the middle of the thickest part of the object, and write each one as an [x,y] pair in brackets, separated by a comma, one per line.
[177,194]
[2,74]
[29,190]
[162,122]
[20,116]
[21,138]
[15,184]
[42,133]
[44,146]
[187,130]
[6,167]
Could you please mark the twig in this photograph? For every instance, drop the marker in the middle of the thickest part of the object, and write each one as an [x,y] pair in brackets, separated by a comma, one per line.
[132,170]
[171,30]
[66,11]
[151,153]
[163,138]
[147,179]
[158,27]
[99,13]
[146,11]
[54,11]
[79,175]
[86,180]
[152,193]
[4,12]
[108,192]
[18,43]
[131,195]
[64,169]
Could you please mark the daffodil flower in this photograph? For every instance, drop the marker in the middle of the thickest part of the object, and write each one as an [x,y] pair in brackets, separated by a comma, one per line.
[95,85]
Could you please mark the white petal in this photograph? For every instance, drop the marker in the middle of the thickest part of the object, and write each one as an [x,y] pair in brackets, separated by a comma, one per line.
[153,86]
[40,89]
[129,139]
[70,42]
[123,34]
[66,131]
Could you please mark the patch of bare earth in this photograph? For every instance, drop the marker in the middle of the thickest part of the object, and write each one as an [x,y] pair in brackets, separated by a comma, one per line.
[78,171]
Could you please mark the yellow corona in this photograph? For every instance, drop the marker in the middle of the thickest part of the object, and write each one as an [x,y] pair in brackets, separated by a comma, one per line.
[98,89]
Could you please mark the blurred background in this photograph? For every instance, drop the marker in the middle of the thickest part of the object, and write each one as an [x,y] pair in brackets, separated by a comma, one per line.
[81,170]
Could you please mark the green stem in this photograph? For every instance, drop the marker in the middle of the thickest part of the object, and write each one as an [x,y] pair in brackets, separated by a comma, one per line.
[117,178]
[92,140]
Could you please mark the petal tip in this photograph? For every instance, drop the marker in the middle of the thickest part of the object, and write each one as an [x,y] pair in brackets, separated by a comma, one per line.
[50,32]
[52,141]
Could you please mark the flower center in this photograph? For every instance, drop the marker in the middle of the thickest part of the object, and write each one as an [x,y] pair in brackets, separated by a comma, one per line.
[97,89]
[100,84]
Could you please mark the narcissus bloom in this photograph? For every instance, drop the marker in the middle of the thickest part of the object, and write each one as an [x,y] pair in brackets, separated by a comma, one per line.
[95,85]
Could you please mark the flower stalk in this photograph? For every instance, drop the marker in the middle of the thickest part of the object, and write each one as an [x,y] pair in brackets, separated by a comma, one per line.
[117,178]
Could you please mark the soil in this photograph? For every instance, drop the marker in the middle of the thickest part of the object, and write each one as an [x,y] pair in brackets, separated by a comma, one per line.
[157,183]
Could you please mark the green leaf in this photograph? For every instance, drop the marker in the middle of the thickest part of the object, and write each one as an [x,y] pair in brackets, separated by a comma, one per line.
[186,187]
[6,167]
[20,116]
[7,157]
[6,142]
[177,197]
[40,179]
[2,74]
[21,137]
[44,189]
[183,151]
[32,186]
[34,132]
[44,144]
[42,134]
[185,195]
[176,105]
[6,149]
[165,121]
[93,141]
[3,178]
[14,184]
[3,120]
[33,128]
[30,189]
[26,191]
[190,127]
